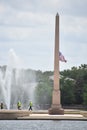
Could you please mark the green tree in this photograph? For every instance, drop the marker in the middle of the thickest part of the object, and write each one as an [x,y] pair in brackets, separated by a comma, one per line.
[67,92]
[85,95]
[43,94]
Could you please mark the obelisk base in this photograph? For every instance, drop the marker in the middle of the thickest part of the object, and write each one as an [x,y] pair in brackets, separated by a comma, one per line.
[56,111]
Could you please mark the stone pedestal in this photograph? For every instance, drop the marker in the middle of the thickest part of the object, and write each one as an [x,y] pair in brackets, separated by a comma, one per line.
[56,105]
[56,111]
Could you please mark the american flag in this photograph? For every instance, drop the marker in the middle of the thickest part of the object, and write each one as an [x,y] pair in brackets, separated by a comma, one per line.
[61,57]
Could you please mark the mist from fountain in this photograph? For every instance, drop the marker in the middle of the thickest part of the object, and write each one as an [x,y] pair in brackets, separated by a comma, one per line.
[5,80]
[11,89]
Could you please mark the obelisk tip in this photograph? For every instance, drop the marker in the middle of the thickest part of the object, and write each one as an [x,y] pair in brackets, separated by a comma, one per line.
[57,14]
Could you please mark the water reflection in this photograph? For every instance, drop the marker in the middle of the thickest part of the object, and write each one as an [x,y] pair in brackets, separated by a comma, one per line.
[42,125]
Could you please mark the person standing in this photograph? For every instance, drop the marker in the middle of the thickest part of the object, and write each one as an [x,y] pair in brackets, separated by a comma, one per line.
[19,105]
[2,105]
[30,105]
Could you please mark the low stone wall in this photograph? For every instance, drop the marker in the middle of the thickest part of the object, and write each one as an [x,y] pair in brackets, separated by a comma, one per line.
[12,114]
[84,113]
[25,114]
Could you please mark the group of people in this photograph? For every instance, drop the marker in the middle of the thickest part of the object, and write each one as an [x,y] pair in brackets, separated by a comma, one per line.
[30,105]
[19,105]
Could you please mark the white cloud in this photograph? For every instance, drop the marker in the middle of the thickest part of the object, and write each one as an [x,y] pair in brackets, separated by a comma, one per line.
[73,28]
[15,33]
[28,26]
[2,9]
[74,24]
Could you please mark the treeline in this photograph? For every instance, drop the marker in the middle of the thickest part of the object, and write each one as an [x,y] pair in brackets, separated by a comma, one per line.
[43,91]
[73,86]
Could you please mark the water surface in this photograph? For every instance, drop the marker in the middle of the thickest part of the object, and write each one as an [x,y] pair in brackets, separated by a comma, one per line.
[42,125]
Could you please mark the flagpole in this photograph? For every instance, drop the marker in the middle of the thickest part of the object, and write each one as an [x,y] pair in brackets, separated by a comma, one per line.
[56,105]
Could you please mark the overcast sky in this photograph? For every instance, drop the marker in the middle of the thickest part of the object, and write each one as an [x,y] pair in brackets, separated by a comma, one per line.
[28,26]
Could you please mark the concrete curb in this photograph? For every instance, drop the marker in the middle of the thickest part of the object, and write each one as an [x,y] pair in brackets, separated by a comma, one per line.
[42,115]
[53,117]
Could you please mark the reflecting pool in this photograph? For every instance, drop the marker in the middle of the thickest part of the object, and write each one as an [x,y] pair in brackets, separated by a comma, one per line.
[42,125]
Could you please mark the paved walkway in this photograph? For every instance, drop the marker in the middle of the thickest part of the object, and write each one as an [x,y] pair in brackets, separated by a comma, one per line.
[53,117]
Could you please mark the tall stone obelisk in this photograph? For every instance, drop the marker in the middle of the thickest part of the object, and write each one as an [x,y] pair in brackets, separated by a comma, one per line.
[56,105]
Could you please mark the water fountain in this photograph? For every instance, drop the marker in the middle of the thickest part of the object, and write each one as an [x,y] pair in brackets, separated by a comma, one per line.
[11,82]
[6,79]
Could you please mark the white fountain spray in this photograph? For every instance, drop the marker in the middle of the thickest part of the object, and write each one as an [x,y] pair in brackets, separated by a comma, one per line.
[6,82]
[7,79]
